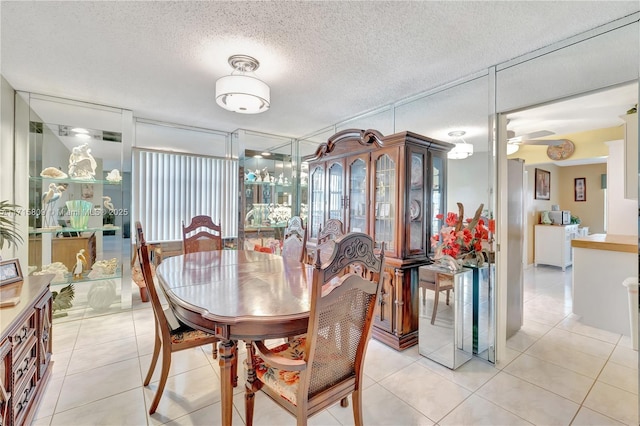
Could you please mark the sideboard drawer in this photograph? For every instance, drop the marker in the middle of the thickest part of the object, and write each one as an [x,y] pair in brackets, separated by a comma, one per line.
[23,398]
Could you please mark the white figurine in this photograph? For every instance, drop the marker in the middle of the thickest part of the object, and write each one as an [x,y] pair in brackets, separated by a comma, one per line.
[280,179]
[258,176]
[81,263]
[114,176]
[53,173]
[108,204]
[82,165]
[49,199]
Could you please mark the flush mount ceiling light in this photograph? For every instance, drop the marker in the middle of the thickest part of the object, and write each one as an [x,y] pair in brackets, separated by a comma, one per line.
[462,149]
[240,92]
[512,148]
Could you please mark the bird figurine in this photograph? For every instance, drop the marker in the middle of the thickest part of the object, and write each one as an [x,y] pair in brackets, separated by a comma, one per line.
[81,263]
[62,299]
[108,204]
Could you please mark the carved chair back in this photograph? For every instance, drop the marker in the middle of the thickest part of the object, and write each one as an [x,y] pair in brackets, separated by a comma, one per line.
[195,239]
[295,240]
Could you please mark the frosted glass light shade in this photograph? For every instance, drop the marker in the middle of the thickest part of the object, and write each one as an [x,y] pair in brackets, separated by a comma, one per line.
[512,148]
[243,94]
[461,151]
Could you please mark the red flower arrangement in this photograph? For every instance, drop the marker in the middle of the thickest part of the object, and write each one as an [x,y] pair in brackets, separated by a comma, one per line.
[458,239]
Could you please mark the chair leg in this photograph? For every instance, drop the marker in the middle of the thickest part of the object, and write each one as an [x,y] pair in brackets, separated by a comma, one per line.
[435,305]
[251,385]
[166,365]
[356,397]
[344,402]
[448,291]
[154,359]
[234,368]
[214,351]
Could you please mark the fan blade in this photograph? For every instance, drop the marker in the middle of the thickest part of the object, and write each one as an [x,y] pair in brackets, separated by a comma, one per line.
[536,135]
[551,142]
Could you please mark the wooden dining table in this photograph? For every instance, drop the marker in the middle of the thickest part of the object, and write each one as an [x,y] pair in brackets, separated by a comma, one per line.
[238,295]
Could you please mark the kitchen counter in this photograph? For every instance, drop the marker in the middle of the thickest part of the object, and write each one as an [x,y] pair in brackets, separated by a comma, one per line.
[601,262]
[623,243]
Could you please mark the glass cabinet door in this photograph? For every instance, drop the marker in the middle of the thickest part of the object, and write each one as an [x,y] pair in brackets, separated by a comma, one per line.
[385,201]
[336,194]
[437,196]
[358,184]
[316,215]
[416,200]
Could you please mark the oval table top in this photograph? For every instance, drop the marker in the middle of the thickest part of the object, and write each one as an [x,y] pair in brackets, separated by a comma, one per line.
[231,287]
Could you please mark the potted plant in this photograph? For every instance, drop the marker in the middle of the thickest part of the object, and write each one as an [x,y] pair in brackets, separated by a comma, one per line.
[8,232]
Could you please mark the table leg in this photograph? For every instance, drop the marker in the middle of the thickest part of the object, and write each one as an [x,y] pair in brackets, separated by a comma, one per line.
[227,360]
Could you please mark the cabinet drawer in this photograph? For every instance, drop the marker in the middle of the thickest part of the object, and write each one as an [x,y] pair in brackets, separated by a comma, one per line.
[24,361]
[23,397]
[23,334]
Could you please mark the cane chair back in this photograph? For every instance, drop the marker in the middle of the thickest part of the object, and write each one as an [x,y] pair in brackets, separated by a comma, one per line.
[295,240]
[201,235]
[170,334]
[311,372]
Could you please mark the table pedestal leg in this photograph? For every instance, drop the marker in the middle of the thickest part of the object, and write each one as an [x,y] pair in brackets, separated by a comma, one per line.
[227,358]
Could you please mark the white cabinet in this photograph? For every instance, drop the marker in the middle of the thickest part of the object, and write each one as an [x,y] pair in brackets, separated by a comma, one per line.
[630,156]
[553,245]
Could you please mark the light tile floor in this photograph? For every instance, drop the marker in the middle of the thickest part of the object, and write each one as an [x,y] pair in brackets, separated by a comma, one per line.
[556,372]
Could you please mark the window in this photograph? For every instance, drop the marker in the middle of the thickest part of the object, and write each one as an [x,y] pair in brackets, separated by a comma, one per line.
[169,188]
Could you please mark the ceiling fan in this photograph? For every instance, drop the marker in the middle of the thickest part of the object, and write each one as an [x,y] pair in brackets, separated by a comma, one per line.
[532,138]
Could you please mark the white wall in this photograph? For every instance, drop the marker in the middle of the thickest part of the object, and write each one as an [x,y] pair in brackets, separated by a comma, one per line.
[6,148]
[468,183]
[622,214]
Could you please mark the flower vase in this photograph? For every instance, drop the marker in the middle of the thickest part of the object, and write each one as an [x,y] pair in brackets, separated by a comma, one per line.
[451,263]
[79,211]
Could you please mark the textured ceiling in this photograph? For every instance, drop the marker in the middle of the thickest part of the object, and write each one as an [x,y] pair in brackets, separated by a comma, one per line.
[324,61]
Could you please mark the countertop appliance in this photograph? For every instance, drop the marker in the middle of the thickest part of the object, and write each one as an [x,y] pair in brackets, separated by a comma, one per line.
[560,217]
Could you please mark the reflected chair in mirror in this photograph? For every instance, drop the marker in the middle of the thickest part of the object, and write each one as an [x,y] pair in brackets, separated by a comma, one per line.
[201,235]
[327,234]
[170,334]
[437,282]
[295,240]
[332,230]
[324,366]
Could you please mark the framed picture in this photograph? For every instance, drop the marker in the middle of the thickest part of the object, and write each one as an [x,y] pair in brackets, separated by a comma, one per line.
[10,271]
[580,189]
[543,185]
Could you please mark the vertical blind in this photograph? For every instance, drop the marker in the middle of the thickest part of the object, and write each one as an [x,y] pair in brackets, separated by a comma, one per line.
[169,188]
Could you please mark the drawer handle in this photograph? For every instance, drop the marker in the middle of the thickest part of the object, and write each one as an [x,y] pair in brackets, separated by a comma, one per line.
[24,333]
[24,368]
[25,399]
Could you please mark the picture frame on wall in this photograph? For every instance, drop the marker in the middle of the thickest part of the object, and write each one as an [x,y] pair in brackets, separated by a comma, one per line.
[542,184]
[580,189]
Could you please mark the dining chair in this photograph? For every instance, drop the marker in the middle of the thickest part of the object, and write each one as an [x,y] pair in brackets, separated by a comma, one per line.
[311,372]
[171,335]
[207,239]
[437,282]
[332,229]
[294,245]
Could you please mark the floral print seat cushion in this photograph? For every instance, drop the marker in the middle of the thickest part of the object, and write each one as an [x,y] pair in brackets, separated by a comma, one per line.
[327,362]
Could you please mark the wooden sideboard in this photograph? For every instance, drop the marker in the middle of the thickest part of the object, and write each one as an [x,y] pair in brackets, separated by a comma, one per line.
[25,351]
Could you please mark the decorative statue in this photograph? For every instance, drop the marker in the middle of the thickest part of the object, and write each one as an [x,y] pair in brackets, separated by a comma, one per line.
[53,173]
[49,199]
[81,263]
[82,165]
[108,204]
[281,179]
[114,176]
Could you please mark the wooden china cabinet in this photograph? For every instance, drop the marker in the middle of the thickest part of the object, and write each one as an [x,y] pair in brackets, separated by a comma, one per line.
[390,187]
